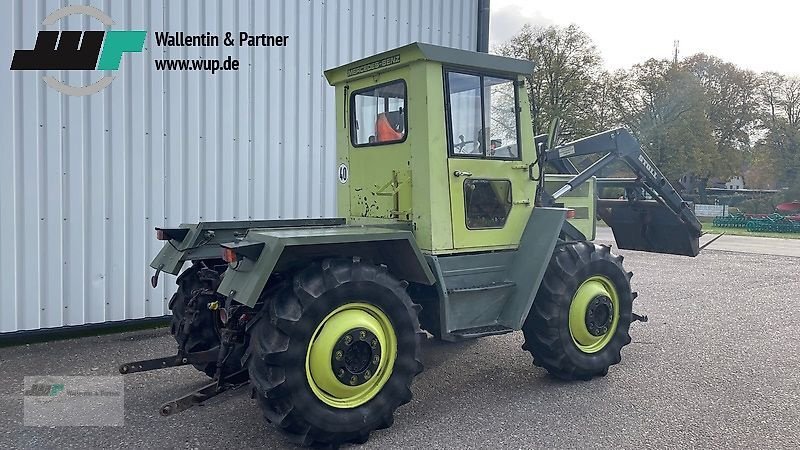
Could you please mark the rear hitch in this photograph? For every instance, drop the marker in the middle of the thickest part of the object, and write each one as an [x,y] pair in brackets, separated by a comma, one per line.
[145,365]
[199,396]
[220,383]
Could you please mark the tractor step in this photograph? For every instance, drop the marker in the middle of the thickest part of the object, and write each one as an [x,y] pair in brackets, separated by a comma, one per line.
[490,330]
[495,285]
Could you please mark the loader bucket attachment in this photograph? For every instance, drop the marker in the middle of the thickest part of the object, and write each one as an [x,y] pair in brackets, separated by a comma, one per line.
[648,226]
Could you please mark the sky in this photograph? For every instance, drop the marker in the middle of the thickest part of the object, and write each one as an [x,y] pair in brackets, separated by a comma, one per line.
[760,36]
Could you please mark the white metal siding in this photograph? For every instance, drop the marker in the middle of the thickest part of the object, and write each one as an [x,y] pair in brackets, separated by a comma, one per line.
[84,180]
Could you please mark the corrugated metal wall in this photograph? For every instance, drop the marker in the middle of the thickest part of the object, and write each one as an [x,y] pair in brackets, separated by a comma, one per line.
[84,180]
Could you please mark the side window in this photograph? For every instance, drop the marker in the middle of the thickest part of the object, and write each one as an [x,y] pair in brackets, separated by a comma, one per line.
[465,114]
[501,120]
[487,203]
[482,111]
[378,115]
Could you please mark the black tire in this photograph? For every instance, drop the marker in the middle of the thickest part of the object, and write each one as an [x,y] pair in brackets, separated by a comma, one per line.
[193,324]
[546,329]
[280,336]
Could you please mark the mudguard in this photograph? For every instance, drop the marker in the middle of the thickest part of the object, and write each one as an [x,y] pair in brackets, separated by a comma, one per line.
[202,240]
[283,250]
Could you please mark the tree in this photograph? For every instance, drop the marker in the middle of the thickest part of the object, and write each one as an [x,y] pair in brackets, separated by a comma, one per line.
[665,107]
[731,107]
[780,126]
[567,68]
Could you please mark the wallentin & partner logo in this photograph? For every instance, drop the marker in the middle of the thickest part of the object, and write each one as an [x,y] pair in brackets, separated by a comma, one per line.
[78,50]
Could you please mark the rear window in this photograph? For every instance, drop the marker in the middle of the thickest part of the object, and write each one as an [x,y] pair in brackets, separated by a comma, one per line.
[378,115]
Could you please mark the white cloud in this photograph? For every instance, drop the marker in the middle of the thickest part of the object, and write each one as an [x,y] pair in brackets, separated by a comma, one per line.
[759,36]
[506,21]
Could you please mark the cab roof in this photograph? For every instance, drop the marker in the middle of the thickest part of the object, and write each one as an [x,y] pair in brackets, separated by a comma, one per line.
[417,51]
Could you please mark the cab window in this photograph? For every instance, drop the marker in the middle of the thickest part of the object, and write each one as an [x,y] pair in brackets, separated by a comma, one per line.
[378,115]
[482,116]
[487,203]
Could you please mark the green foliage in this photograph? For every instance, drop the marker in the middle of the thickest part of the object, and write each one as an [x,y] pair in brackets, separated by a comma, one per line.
[700,116]
[568,68]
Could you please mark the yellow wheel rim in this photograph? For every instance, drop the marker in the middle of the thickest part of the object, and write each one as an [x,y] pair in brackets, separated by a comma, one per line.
[594,314]
[351,355]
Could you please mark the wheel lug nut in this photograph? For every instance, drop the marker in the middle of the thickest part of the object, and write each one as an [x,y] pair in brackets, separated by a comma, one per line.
[348,339]
[338,355]
[341,373]
[353,380]
[376,360]
[374,343]
[367,374]
[362,335]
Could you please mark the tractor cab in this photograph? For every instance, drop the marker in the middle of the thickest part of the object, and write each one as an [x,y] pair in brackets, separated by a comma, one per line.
[437,139]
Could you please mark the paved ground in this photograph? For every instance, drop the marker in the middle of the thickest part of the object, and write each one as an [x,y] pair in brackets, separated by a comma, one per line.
[731,243]
[717,366]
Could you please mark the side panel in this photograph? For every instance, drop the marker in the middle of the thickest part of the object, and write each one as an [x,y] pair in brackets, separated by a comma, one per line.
[430,190]
[375,180]
[582,199]
[492,292]
[288,249]
[527,269]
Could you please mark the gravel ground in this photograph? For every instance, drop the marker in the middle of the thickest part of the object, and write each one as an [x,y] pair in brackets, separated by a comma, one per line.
[715,367]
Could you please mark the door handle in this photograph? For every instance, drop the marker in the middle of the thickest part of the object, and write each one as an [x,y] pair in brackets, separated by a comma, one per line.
[459,173]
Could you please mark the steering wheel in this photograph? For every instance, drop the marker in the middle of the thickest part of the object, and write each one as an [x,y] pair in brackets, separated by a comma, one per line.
[459,147]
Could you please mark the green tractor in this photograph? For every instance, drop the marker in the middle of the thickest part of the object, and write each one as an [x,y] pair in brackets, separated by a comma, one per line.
[449,225]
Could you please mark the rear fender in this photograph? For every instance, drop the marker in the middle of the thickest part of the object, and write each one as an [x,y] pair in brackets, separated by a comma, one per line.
[285,250]
[202,241]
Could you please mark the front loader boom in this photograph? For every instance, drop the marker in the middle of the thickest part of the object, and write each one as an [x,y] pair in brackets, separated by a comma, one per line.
[665,224]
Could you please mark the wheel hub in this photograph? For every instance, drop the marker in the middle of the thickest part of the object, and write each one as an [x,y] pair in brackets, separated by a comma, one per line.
[599,314]
[594,314]
[356,356]
[351,355]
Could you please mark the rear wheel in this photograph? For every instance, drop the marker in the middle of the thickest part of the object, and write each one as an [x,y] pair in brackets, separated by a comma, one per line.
[581,315]
[333,353]
[194,325]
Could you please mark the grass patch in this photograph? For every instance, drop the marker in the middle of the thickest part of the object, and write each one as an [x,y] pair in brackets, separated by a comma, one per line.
[708,228]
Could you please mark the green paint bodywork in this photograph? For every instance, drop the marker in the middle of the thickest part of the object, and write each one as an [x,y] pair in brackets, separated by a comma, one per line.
[203,239]
[492,292]
[582,199]
[289,248]
[413,180]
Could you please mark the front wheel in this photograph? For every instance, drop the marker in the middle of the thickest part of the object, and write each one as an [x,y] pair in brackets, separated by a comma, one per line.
[580,317]
[334,352]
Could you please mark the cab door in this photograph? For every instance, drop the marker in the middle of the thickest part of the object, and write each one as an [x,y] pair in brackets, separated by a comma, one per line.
[491,195]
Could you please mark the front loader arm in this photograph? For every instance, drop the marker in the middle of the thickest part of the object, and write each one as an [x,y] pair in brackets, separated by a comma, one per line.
[665,224]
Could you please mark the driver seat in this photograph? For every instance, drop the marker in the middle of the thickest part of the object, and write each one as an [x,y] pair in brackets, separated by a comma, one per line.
[384,131]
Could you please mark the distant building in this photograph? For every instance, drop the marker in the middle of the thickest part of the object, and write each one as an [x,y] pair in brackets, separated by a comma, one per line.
[736,182]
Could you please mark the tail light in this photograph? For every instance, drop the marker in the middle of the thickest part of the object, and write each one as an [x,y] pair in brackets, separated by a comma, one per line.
[570,214]
[167,234]
[229,255]
[235,251]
